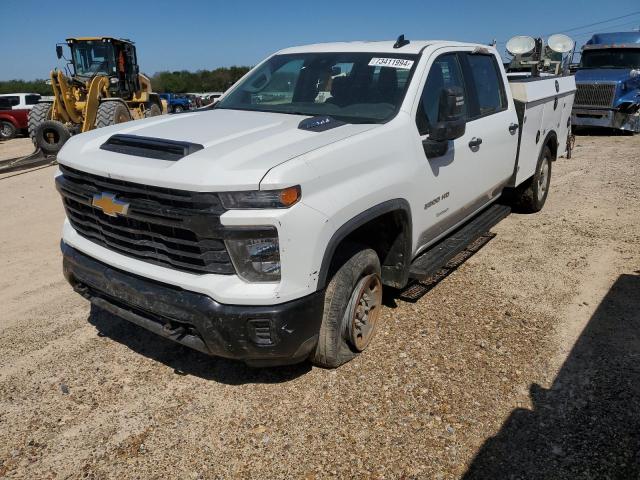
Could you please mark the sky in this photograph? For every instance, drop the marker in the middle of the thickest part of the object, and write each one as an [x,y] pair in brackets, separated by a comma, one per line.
[199,34]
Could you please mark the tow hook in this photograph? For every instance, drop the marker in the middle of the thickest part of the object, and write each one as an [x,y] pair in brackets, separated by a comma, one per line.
[170,330]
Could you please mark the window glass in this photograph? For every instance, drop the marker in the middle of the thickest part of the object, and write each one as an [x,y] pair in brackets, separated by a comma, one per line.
[445,73]
[488,84]
[93,57]
[5,103]
[353,87]
[9,101]
[611,58]
[31,99]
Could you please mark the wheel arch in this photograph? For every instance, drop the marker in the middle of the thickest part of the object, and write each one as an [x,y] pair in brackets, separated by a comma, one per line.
[394,250]
[551,141]
[11,120]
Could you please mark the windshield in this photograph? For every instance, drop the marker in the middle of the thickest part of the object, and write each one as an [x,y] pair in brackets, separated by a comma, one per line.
[353,87]
[611,58]
[93,57]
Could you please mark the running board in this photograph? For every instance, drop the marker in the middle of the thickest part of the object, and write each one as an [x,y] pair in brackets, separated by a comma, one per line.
[438,256]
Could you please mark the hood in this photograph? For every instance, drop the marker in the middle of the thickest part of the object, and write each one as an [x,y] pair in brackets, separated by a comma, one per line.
[240,147]
[593,75]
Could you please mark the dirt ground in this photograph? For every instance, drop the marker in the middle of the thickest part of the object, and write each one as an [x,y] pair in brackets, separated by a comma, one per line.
[18,147]
[523,363]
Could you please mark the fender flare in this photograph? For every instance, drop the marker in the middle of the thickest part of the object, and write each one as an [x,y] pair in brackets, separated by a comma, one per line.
[397,204]
[555,146]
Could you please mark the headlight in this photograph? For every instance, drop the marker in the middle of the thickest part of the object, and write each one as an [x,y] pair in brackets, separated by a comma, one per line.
[113,80]
[284,198]
[256,255]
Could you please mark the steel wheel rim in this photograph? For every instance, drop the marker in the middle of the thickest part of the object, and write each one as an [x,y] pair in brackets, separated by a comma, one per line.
[543,180]
[365,310]
[5,131]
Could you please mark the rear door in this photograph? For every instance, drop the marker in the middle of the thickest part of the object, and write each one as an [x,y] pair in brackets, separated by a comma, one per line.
[493,120]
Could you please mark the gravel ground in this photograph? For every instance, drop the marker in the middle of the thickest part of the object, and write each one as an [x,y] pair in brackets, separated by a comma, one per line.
[523,363]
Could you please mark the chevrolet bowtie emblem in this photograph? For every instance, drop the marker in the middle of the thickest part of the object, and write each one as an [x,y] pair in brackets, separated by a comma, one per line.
[109,204]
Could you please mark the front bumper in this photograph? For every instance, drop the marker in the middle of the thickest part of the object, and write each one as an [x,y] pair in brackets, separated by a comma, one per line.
[582,117]
[259,335]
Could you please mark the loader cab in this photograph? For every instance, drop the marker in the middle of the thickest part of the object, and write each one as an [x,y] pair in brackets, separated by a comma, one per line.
[111,57]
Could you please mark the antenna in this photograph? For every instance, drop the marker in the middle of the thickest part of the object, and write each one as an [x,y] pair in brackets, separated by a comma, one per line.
[400,42]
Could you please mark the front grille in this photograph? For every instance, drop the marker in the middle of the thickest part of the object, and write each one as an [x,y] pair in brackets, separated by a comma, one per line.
[167,227]
[595,95]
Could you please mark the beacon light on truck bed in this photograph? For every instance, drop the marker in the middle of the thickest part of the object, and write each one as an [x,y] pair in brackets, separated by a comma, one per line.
[284,198]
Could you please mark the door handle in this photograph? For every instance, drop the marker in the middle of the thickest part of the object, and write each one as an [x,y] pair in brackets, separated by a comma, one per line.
[474,143]
[513,128]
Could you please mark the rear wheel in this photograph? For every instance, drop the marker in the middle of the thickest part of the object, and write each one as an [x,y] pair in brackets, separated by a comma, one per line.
[152,111]
[352,305]
[531,196]
[38,114]
[7,130]
[112,113]
[177,109]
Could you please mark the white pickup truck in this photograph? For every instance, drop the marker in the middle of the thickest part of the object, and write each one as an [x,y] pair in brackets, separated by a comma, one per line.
[264,228]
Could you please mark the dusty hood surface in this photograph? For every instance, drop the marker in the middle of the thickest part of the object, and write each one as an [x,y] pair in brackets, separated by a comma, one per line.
[240,147]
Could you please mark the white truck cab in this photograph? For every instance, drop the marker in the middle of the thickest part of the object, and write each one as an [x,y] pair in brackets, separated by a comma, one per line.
[264,228]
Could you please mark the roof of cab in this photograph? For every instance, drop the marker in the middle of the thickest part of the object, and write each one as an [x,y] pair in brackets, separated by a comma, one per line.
[87,39]
[413,47]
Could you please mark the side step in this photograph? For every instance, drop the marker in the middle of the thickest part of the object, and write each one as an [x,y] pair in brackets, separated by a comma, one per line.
[438,256]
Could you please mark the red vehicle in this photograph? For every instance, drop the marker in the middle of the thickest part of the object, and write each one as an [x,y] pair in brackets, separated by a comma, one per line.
[14,113]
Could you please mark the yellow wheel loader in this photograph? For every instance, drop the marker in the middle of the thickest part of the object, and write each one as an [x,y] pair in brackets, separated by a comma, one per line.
[103,86]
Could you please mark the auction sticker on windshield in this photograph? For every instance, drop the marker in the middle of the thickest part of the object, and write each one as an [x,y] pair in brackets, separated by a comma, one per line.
[391,62]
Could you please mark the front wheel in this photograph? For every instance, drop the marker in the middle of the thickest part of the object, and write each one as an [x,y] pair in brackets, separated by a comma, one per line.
[177,109]
[7,130]
[111,113]
[353,300]
[531,196]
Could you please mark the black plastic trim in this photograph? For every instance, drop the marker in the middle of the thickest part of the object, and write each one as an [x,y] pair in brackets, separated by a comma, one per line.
[196,320]
[360,220]
[149,147]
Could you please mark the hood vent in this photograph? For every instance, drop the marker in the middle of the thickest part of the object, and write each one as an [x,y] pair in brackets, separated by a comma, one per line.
[149,147]
[320,123]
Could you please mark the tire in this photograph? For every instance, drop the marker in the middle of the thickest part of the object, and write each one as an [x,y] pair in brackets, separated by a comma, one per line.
[50,136]
[152,111]
[177,109]
[341,338]
[531,196]
[112,112]
[7,130]
[38,114]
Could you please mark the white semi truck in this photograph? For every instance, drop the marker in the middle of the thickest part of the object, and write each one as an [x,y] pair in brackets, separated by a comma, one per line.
[265,228]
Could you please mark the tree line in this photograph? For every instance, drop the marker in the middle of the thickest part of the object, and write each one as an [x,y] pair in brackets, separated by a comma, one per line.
[217,80]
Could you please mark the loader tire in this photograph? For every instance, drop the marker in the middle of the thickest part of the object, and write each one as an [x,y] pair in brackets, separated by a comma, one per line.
[152,111]
[38,114]
[111,113]
[50,136]
[353,300]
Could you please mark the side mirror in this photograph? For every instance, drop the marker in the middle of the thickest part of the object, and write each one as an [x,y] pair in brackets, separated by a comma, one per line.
[59,51]
[451,124]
